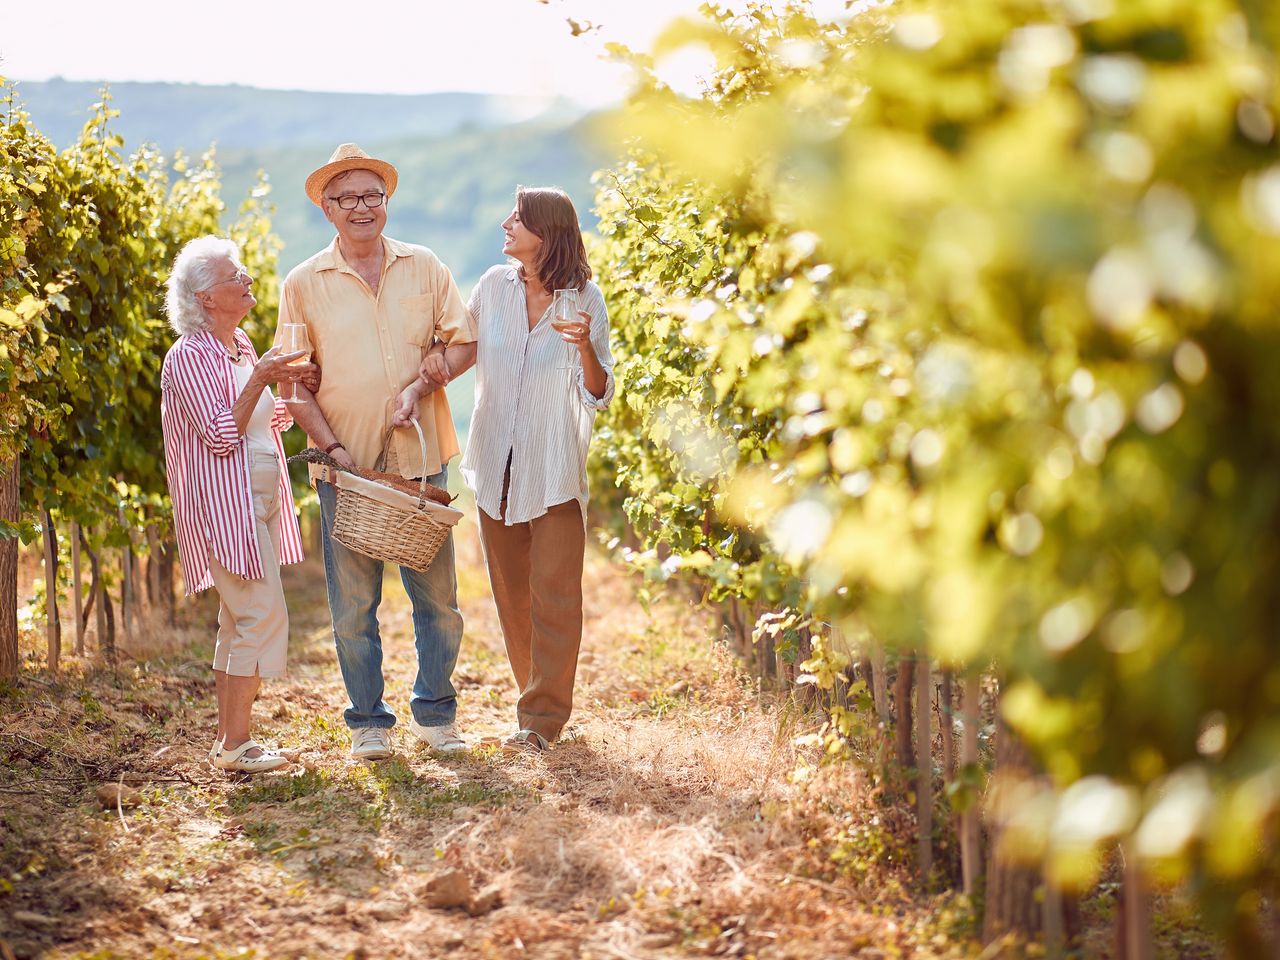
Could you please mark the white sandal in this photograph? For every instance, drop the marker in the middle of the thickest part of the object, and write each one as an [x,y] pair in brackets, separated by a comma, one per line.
[236,761]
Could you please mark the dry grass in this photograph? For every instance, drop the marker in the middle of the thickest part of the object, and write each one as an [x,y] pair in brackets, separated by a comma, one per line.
[625,840]
[667,825]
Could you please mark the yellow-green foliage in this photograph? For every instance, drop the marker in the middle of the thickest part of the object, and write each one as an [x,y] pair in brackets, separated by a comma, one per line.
[87,238]
[957,322]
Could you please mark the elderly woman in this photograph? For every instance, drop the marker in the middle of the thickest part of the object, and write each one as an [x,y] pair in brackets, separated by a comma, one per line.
[232,506]
[536,402]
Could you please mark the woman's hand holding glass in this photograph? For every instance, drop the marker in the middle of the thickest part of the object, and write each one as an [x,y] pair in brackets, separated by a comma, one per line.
[576,333]
[275,366]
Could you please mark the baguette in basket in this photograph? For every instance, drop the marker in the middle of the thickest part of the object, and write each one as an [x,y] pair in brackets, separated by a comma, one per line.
[404,484]
[387,517]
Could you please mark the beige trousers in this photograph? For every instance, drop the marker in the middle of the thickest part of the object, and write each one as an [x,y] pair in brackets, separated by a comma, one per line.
[535,570]
[253,621]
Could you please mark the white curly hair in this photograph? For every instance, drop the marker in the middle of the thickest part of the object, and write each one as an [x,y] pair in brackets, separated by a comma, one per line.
[194,272]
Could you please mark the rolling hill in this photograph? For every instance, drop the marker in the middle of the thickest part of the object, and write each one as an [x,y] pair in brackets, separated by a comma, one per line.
[191,116]
[460,155]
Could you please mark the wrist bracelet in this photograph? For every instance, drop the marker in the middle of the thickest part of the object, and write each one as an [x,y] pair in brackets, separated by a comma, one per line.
[334,446]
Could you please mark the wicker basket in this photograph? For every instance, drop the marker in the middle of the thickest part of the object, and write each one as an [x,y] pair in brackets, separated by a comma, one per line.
[387,524]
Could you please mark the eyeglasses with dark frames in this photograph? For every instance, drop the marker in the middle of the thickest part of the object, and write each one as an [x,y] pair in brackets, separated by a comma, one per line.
[351,201]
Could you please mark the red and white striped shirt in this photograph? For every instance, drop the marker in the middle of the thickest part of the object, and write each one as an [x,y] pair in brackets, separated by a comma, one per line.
[207,463]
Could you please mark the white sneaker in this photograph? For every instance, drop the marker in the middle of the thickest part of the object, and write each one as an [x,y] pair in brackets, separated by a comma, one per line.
[441,739]
[370,743]
[236,761]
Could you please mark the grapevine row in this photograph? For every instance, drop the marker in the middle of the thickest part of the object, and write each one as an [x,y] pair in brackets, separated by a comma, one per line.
[950,330]
[86,239]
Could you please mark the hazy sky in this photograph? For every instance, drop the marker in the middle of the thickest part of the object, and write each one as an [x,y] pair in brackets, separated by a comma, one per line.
[383,46]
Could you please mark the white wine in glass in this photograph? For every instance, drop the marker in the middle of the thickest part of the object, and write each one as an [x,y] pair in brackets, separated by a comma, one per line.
[294,337]
[564,314]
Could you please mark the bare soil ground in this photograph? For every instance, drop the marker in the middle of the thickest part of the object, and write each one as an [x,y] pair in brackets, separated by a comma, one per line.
[666,825]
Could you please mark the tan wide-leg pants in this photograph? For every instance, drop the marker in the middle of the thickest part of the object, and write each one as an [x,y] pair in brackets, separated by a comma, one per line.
[535,570]
[253,621]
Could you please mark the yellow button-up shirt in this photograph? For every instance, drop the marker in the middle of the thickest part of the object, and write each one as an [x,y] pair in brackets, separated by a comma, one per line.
[369,348]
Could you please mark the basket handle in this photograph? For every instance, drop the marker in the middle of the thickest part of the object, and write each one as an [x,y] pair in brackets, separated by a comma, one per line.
[381,464]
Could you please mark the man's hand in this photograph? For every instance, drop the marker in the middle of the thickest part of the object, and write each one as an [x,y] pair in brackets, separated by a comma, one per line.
[340,454]
[407,404]
[310,378]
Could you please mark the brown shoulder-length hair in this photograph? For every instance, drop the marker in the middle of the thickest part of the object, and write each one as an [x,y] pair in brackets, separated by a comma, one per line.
[548,213]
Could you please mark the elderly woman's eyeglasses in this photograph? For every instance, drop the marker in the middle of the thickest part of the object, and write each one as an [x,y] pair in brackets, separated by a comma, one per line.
[242,277]
[371,200]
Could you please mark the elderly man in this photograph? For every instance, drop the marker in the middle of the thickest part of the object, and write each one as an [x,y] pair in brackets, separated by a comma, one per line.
[373,306]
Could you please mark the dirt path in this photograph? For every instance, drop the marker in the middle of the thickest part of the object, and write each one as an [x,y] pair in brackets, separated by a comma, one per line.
[668,826]
[653,832]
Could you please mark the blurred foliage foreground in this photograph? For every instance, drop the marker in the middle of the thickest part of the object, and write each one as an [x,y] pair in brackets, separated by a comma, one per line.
[955,325]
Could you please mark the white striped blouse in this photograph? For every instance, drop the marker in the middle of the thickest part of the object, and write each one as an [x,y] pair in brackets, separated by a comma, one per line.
[207,463]
[531,401]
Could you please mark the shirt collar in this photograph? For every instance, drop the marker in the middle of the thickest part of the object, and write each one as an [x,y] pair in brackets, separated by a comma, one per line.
[205,340]
[331,259]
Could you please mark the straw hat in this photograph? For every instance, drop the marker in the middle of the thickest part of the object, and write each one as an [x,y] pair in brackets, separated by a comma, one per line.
[348,157]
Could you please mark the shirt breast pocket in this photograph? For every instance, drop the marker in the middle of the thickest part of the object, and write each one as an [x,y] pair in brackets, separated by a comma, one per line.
[417,314]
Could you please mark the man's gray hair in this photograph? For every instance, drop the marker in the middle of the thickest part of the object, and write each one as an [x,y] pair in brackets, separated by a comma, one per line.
[194,272]
[339,177]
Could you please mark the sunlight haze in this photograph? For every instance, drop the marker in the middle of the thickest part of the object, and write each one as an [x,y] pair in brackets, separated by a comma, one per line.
[522,47]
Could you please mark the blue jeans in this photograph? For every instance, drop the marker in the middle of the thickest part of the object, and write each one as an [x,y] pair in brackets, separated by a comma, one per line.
[355,589]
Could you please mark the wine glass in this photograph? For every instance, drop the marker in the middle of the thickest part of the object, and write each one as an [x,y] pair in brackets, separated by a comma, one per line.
[293,338]
[564,314]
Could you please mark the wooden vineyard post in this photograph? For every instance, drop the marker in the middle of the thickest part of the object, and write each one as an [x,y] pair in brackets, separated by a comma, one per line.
[1135,911]
[9,573]
[879,682]
[1055,940]
[153,567]
[946,732]
[732,618]
[126,584]
[167,549]
[77,591]
[924,766]
[970,838]
[946,696]
[106,638]
[1018,900]
[53,627]
[902,704]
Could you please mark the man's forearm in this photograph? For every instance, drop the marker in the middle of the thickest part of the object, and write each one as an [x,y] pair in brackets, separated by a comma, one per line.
[307,415]
[460,358]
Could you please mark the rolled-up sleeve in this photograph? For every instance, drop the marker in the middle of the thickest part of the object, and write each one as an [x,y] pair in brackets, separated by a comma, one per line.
[193,385]
[453,321]
[594,304]
[282,419]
